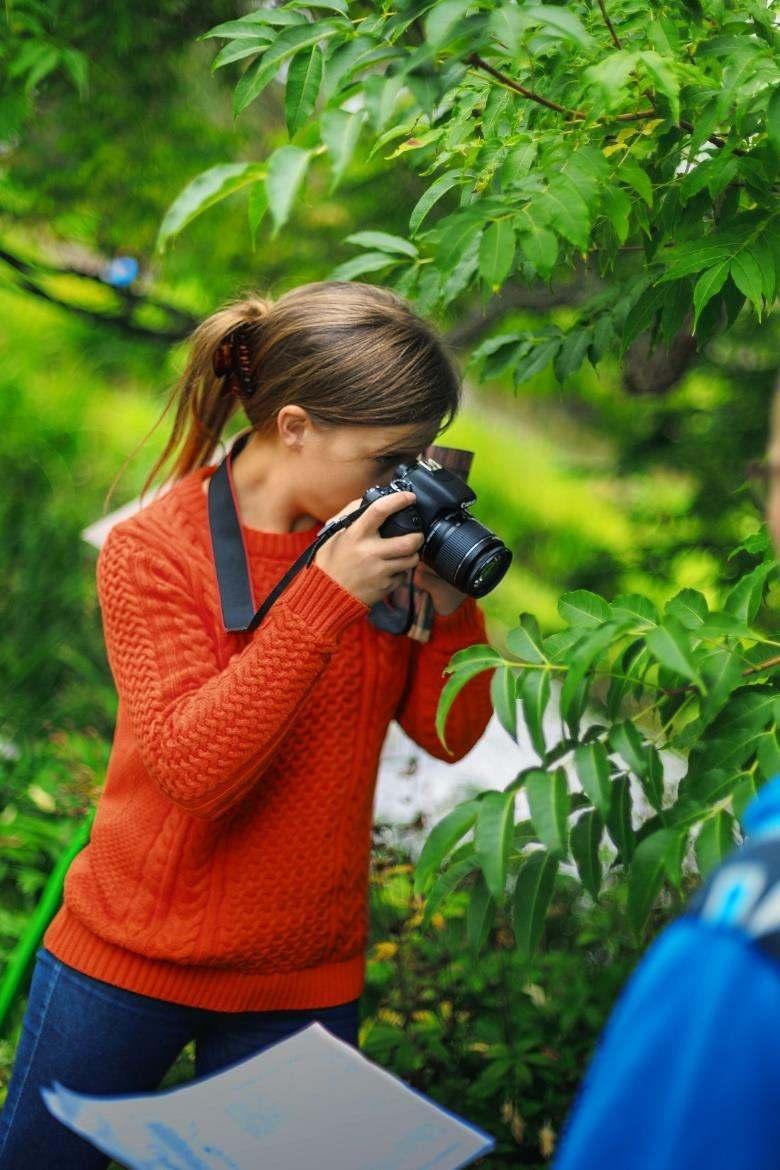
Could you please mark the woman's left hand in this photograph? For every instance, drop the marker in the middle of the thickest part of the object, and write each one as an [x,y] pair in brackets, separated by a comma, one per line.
[446,598]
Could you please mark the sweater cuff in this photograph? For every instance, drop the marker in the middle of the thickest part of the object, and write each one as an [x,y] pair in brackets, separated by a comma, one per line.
[325,605]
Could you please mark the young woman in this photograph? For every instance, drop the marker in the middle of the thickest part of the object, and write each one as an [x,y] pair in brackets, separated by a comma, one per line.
[223,895]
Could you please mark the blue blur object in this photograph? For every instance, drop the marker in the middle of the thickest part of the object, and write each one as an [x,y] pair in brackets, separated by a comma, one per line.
[120,272]
[687,1071]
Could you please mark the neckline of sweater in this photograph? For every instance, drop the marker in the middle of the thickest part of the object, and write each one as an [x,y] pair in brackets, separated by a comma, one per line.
[256,540]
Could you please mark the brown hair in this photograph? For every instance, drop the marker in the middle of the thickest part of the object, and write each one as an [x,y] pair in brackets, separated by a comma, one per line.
[349,353]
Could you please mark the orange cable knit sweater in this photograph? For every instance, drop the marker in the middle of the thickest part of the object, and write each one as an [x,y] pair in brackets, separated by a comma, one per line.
[228,861]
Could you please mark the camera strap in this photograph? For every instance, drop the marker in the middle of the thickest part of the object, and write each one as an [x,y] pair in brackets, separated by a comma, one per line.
[239,608]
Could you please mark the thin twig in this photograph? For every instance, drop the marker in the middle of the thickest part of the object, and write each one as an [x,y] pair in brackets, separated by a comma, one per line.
[615,38]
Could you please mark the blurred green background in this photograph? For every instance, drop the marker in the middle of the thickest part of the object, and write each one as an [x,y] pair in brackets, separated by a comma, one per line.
[610,482]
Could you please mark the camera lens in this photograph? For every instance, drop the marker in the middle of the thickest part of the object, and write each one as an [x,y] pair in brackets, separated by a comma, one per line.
[467,554]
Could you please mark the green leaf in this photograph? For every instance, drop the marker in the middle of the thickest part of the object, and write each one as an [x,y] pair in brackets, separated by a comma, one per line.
[664,79]
[469,655]
[703,252]
[496,253]
[533,687]
[340,132]
[459,231]
[252,25]
[358,265]
[768,754]
[431,197]
[618,209]
[239,49]
[447,881]
[586,836]
[648,870]
[493,837]
[708,284]
[707,788]
[669,644]
[204,191]
[610,77]
[503,695]
[532,894]
[642,314]
[257,205]
[384,241]
[341,63]
[721,670]
[548,802]
[743,600]
[619,818]
[586,654]
[333,5]
[773,120]
[303,84]
[560,20]
[637,178]
[593,771]
[286,170]
[714,841]
[444,835]
[746,273]
[689,607]
[538,356]
[636,606]
[525,640]
[442,20]
[572,353]
[743,792]
[642,758]
[480,915]
[538,244]
[257,76]
[580,607]
[569,213]
[452,688]
[508,24]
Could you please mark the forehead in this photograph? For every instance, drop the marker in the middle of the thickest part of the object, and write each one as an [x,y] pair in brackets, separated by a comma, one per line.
[412,437]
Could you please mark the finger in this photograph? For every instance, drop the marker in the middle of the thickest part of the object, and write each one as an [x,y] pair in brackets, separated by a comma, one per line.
[393,547]
[378,510]
[403,563]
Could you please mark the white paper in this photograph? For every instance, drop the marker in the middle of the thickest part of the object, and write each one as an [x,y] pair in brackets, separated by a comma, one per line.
[308,1101]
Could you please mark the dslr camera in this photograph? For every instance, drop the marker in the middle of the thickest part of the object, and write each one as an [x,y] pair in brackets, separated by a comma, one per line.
[457,547]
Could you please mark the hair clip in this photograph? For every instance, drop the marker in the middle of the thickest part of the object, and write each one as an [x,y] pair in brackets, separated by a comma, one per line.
[231,361]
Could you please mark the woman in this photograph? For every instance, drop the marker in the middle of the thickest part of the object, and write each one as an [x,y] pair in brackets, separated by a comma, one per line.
[222,896]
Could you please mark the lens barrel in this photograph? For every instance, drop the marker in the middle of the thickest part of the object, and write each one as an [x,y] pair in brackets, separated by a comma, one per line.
[467,554]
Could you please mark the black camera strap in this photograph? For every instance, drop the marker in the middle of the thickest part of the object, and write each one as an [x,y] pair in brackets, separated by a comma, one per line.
[239,610]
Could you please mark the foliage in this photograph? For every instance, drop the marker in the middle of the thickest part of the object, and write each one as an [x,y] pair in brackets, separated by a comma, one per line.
[646,142]
[496,1035]
[692,683]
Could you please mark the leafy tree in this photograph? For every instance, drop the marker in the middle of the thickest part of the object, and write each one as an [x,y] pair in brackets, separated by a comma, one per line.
[697,684]
[642,142]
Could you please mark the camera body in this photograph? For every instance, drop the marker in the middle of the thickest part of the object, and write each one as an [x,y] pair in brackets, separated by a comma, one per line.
[457,547]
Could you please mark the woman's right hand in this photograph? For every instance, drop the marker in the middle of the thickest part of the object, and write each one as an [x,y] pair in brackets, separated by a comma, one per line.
[367,565]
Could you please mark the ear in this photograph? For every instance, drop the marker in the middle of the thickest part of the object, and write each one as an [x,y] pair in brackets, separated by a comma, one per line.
[292,423]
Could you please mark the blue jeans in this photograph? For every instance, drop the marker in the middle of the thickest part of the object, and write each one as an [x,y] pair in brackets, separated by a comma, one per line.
[96,1038]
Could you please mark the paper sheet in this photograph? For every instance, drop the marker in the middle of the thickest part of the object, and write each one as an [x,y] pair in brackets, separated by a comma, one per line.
[308,1102]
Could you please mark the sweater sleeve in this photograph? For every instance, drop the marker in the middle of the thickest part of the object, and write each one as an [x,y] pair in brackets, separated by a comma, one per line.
[470,713]
[205,735]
